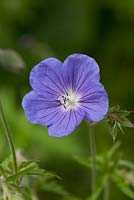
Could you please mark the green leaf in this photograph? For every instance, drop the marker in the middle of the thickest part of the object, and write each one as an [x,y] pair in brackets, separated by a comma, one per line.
[23,193]
[122,185]
[84,162]
[24,164]
[30,168]
[99,188]
[120,127]
[116,119]
[113,131]
[125,122]
[126,164]
[3,171]
[17,197]
[116,115]
[54,187]
[112,151]
[6,167]
[88,162]
[114,109]
[124,113]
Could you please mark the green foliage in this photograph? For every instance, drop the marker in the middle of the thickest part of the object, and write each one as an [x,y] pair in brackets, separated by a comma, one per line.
[101,182]
[17,186]
[121,183]
[111,167]
[117,119]
[29,168]
[35,141]
[55,187]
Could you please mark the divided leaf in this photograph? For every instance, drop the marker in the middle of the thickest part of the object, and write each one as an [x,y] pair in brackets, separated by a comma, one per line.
[116,119]
[29,168]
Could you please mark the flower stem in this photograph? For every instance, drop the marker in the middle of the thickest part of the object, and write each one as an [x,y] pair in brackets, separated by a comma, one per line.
[106,191]
[9,137]
[93,157]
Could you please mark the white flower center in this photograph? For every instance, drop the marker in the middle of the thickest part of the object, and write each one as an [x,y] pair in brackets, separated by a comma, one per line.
[69,100]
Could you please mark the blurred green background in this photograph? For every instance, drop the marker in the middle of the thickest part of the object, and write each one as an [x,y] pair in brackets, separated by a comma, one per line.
[45,28]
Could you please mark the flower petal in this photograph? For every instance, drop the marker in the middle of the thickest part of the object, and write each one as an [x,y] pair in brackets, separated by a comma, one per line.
[95,103]
[40,110]
[67,123]
[80,70]
[46,77]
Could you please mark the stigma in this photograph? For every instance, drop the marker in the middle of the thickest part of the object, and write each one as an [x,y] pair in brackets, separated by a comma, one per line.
[69,100]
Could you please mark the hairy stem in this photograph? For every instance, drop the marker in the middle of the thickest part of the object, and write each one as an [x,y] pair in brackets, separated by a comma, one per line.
[9,137]
[93,157]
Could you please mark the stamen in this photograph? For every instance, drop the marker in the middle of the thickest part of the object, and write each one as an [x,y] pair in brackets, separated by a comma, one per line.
[69,100]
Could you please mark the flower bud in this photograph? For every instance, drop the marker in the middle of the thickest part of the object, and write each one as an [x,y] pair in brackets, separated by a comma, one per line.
[11,61]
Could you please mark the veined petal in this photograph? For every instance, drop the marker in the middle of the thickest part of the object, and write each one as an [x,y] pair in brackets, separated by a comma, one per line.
[46,77]
[80,70]
[40,110]
[95,103]
[68,122]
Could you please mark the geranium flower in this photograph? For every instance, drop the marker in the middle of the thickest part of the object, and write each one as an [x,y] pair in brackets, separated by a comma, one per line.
[65,93]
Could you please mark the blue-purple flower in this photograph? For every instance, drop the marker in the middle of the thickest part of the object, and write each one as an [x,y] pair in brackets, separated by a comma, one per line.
[65,93]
